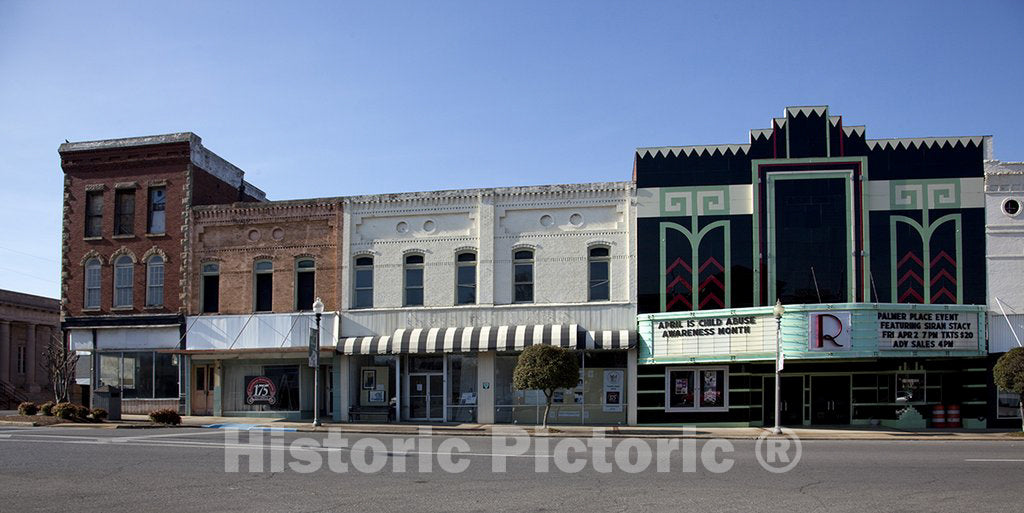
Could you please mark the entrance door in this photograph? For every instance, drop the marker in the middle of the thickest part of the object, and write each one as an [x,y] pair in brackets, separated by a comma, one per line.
[202,390]
[830,399]
[426,397]
[792,401]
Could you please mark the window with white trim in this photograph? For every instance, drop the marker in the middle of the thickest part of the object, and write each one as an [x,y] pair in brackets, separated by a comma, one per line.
[93,273]
[522,276]
[363,283]
[465,278]
[598,272]
[124,277]
[414,280]
[696,389]
[155,281]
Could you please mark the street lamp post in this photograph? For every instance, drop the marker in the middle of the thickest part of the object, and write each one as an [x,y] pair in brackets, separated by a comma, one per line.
[318,309]
[777,312]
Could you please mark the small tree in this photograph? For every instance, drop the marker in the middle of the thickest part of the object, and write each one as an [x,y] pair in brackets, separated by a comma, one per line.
[59,362]
[1009,375]
[546,368]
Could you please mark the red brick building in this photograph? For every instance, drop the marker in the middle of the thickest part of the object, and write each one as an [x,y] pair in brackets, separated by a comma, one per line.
[125,253]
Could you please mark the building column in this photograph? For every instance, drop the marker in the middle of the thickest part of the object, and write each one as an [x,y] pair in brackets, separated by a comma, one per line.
[631,380]
[340,385]
[485,387]
[30,358]
[5,351]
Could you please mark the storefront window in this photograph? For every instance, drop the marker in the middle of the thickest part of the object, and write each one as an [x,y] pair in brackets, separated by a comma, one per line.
[287,379]
[696,389]
[372,387]
[140,374]
[598,398]
[462,396]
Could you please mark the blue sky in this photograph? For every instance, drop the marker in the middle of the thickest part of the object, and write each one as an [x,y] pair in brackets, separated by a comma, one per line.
[340,98]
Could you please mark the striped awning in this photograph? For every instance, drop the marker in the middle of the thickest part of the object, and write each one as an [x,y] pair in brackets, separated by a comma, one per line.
[487,338]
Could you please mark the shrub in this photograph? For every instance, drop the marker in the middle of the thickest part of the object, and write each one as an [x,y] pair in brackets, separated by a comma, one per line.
[27,408]
[99,414]
[71,411]
[546,368]
[165,416]
[46,408]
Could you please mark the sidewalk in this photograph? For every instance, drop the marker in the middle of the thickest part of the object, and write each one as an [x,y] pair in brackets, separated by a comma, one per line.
[740,433]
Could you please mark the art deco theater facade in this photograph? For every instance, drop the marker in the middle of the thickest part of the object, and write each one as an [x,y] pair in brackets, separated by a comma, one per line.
[874,247]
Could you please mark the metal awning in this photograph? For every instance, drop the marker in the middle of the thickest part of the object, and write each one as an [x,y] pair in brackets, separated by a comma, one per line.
[487,338]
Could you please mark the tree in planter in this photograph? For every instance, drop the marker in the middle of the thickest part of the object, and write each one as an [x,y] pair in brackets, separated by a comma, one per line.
[1009,375]
[59,362]
[546,368]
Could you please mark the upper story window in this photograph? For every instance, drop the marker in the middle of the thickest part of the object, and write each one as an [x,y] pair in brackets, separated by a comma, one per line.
[124,212]
[598,265]
[414,280]
[522,275]
[465,278]
[156,222]
[211,287]
[94,214]
[155,281]
[363,283]
[124,277]
[92,283]
[305,283]
[263,285]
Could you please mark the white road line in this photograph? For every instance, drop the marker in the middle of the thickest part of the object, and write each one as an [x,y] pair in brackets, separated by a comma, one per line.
[994,460]
[165,435]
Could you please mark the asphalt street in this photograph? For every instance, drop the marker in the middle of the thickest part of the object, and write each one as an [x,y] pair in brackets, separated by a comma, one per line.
[87,469]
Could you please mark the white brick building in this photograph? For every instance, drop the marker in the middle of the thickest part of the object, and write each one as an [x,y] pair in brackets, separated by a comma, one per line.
[402,309]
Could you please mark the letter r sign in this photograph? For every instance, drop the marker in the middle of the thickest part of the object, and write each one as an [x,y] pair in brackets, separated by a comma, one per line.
[829,331]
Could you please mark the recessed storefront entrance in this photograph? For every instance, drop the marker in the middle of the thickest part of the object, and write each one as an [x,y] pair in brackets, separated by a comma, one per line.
[792,400]
[426,397]
[202,390]
[830,399]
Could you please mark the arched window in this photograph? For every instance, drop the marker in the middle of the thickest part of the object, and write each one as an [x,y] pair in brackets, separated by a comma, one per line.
[363,283]
[263,285]
[414,280]
[155,281]
[598,265]
[124,276]
[522,275]
[305,283]
[92,283]
[211,287]
[465,278]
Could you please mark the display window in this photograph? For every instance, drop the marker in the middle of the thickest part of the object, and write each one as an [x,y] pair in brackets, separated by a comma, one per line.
[1007,405]
[696,389]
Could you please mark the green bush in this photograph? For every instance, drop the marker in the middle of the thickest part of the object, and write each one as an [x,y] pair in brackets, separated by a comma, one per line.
[46,408]
[546,368]
[27,408]
[99,414]
[165,416]
[70,412]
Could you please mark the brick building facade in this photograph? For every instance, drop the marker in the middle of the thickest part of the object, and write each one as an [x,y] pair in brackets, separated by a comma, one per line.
[125,252]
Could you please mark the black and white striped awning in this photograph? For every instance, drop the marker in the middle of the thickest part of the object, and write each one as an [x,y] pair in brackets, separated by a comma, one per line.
[487,338]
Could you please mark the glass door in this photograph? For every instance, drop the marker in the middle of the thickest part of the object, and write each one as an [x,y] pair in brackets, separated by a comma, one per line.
[426,396]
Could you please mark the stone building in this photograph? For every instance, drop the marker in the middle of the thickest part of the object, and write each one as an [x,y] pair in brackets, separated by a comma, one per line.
[27,325]
[256,270]
[125,255]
